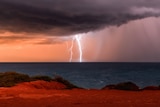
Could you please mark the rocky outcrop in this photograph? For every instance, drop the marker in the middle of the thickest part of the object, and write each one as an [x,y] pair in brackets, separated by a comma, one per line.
[123,86]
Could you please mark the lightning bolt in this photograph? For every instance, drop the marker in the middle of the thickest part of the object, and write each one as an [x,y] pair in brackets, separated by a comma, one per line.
[76,38]
[71,50]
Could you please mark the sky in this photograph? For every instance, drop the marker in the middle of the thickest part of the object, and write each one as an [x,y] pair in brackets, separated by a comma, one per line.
[79,31]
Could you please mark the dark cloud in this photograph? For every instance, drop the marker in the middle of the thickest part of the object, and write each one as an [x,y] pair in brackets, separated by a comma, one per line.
[64,17]
[25,39]
[13,39]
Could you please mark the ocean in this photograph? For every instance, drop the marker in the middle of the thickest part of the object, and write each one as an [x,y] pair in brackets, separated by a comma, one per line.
[92,75]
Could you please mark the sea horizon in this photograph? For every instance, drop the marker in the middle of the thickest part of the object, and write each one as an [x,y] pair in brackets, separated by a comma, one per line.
[91,74]
[79,62]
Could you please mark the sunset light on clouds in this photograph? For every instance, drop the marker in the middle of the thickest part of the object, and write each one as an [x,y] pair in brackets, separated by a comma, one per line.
[81,52]
[43,31]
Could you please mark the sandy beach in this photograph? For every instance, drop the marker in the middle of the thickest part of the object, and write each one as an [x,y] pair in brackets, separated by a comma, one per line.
[25,96]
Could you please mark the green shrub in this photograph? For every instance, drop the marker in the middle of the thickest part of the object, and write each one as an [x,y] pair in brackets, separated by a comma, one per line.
[45,78]
[9,79]
[127,86]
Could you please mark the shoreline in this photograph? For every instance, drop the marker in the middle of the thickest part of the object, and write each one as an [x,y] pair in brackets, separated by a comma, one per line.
[43,91]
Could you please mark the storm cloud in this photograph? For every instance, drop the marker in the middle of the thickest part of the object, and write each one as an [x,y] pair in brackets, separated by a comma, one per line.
[66,17]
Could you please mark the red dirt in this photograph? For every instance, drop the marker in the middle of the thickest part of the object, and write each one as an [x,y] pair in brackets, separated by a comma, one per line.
[41,85]
[22,96]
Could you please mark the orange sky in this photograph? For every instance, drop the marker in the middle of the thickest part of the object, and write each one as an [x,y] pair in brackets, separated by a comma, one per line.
[135,41]
[43,30]
[21,47]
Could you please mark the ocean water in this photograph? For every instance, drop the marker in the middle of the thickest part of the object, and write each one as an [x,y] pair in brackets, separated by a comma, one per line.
[92,75]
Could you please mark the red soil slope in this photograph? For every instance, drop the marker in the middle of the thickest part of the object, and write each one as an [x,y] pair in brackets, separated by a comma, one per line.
[28,95]
[41,85]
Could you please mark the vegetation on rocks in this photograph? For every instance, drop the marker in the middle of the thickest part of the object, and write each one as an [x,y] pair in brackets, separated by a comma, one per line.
[9,79]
